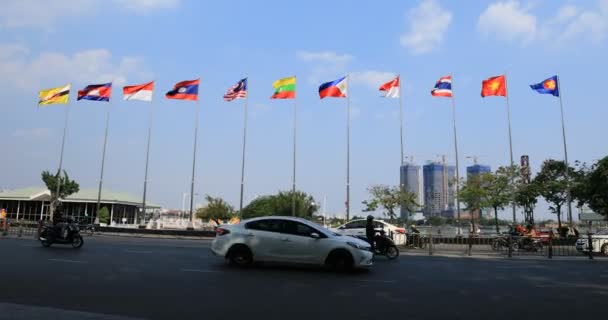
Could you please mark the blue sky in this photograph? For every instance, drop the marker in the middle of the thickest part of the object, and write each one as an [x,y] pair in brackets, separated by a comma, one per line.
[131,42]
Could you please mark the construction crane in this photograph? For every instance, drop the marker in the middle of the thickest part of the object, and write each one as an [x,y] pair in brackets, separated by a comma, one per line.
[411,157]
[475,158]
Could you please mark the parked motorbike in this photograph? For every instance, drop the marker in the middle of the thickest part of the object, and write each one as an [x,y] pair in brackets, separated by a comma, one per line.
[517,243]
[50,235]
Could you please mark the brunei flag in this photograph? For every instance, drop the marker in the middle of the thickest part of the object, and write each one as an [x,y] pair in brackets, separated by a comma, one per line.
[59,95]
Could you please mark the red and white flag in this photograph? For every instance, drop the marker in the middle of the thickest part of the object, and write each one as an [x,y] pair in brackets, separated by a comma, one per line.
[390,89]
[142,92]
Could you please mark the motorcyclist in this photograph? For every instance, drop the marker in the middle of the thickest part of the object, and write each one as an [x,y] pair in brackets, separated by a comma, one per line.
[60,222]
[370,231]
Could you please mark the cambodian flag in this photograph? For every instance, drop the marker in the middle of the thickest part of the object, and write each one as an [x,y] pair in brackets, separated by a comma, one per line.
[96,92]
[336,89]
[443,87]
[185,90]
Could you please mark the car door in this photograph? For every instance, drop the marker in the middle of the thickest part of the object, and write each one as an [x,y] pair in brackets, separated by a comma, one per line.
[357,228]
[297,244]
[264,238]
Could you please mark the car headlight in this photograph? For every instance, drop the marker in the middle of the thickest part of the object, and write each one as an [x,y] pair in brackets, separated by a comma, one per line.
[360,247]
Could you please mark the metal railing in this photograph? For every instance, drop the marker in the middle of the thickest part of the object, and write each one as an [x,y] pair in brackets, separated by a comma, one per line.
[507,246]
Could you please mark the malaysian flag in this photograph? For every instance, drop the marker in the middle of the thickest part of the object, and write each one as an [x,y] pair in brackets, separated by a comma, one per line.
[238,91]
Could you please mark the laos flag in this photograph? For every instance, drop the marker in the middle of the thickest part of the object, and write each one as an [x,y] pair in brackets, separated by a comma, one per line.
[185,90]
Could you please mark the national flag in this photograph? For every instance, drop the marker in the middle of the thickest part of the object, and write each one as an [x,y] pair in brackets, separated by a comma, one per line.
[284,88]
[443,87]
[142,92]
[96,92]
[548,86]
[391,89]
[59,95]
[336,89]
[237,91]
[495,86]
[185,90]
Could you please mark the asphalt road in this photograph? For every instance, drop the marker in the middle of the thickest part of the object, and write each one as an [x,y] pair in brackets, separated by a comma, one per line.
[130,278]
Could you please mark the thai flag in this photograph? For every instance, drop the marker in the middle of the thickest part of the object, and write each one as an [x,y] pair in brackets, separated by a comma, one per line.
[443,87]
[96,92]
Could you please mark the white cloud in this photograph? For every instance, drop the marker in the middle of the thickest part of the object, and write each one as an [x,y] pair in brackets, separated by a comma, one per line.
[428,23]
[578,23]
[508,21]
[23,71]
[32,133]
[33,13]
[326,65]
[371,79]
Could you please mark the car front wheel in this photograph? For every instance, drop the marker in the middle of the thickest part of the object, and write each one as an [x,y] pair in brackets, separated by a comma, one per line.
[340,260]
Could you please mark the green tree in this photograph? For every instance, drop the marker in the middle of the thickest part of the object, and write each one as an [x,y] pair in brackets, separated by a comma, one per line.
[553,185]
[499,192]
[436,221]
[281,205]
[597,190]
[216,209]
[104,215]
[60,186]
[474,192]
[525,195]
[390,198]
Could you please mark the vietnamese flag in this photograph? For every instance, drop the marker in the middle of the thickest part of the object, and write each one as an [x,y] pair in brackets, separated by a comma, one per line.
[495,86]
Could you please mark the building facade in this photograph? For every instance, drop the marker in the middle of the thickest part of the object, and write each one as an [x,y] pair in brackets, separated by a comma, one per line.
[33,204]
[410,178]
[439,190]
[477,169]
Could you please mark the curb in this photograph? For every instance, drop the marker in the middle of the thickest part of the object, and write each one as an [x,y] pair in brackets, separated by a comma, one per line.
[149,236]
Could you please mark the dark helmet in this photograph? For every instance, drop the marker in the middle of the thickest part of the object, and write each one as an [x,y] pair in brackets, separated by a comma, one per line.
[370,218]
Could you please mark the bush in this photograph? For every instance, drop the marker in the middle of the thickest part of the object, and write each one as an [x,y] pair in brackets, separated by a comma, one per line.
[104,215]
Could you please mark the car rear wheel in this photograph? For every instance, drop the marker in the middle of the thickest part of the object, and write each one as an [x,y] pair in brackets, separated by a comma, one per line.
[240,255]
[339,260]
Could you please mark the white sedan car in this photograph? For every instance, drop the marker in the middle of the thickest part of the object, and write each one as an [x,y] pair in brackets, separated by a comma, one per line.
[289,240]
[599,241]
[357,228]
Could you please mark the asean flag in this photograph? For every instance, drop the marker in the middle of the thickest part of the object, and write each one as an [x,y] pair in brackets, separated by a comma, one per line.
[336,89]
[495,86]
[185,90]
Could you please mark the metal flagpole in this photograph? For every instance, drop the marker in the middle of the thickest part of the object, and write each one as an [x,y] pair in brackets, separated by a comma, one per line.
[293,186]
[59,181]
[456,154]
[190,225]
[347,150]
[243,156]
[510,139]
[569,195]
[143,202]
[401,118]
[103,161]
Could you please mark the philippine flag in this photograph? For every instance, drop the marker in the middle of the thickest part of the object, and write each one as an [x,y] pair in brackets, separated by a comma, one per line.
[96,92]
[390,89]
[185,90]
[336,89]
[142,92]
[443,87]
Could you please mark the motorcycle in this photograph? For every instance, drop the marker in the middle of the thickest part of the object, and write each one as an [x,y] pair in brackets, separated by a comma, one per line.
[53,234]
[384,245]
[517,243]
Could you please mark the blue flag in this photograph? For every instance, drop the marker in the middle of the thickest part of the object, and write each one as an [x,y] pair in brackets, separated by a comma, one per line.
[548,86]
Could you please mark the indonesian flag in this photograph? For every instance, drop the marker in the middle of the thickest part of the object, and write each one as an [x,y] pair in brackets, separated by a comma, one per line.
[142,92]
[390,89]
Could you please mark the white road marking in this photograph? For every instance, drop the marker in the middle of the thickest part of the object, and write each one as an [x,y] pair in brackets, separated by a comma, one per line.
[136,251]
[30,245]
[378,281]
[67,261]
[198,270]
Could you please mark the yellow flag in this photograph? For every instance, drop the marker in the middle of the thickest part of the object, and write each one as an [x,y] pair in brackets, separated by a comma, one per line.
[59,95]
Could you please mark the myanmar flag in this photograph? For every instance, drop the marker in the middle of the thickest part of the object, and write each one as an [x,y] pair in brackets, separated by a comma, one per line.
[59,95]
[495,86]
[284,88]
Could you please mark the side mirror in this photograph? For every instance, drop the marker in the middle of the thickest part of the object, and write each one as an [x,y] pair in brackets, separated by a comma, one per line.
[315,235]
[342,228]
